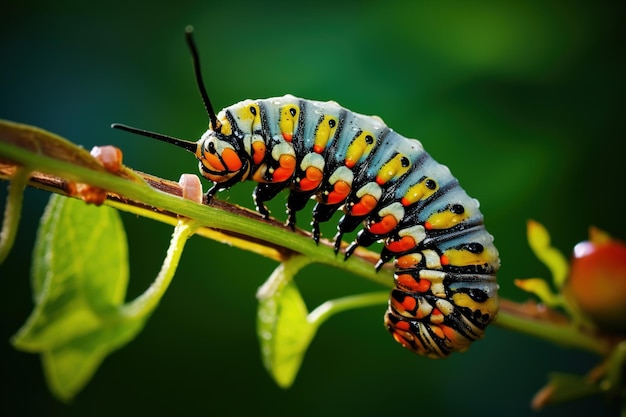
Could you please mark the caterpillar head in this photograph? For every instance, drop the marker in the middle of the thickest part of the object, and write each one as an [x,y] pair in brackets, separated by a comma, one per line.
[220,160]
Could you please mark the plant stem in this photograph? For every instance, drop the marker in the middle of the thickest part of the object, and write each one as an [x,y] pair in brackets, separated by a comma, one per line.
[12,211]
[143,305]
[566,334]
[331,307]
[283,273]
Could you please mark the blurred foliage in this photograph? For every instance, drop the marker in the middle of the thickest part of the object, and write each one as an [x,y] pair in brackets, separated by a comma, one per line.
[522,100]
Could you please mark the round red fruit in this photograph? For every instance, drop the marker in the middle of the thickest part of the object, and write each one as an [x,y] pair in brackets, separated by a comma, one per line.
[597,280]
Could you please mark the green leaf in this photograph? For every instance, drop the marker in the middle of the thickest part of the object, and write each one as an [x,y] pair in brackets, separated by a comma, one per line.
[539,241]
[80,274]
[285,328]
[79,278]
[70,367]
[282,326]
[541,289]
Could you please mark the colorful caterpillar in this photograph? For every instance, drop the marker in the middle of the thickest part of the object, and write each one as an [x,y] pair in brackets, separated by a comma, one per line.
[446,290]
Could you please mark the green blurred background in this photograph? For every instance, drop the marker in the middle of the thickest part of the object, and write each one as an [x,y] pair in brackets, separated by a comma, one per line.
[523,100]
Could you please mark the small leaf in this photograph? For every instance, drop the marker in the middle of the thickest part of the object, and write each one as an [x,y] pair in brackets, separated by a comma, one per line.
[541,289]
[599,236]
[563,388]
[285,328]
[282,326]
[71,366]
[80,274]
[539,241]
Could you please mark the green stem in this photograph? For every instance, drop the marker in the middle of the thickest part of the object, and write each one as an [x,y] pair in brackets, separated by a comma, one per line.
[283,273]
[143,305]
[12,211]
[615,371]
[332,307]
[563,334]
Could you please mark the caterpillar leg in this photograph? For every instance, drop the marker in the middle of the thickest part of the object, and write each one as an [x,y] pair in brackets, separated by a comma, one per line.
[322,213]
[346,224]
[295,202]
[363,238]
[265,192]
[211,192]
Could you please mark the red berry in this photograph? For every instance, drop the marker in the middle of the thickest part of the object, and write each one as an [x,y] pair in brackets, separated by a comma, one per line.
[597,280]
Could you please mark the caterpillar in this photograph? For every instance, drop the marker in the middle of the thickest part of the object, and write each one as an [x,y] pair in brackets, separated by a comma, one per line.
[445,262]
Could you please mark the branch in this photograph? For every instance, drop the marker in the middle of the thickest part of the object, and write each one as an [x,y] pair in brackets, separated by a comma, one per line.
[61,167]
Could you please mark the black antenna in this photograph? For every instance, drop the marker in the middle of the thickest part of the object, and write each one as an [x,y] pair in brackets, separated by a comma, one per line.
[198,73]
[185,144]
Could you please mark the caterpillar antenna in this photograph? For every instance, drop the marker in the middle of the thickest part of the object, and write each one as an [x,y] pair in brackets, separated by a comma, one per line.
[195,57]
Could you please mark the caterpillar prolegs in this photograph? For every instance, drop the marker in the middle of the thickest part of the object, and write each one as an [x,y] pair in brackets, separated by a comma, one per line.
[446,290]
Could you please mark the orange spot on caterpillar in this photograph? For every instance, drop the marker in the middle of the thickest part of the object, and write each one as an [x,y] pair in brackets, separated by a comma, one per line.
[286,168]
[408,261]
[448,332]
[384,226]
[258,152]
[437,331]
[410,283]
[281,174]
[231,159]
[364,206]
[287,161]
[404,244]
[313,177]
[403,325]
[409,303]
[214,162]
[341,189]
[398,338]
